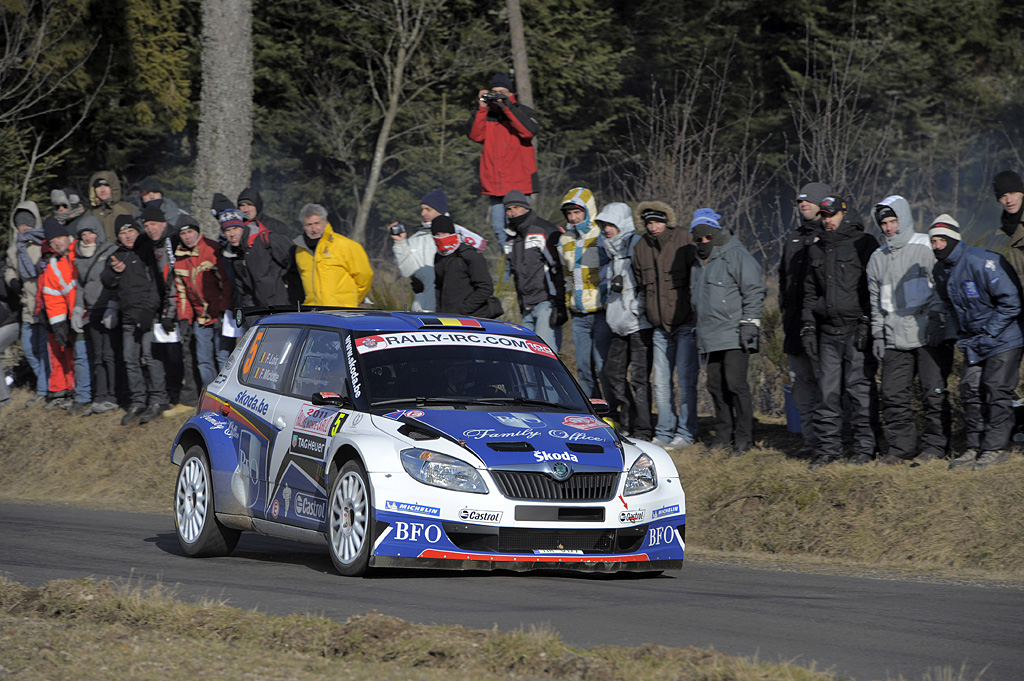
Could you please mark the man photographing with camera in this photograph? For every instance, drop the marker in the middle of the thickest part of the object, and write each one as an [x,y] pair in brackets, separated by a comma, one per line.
[508,162]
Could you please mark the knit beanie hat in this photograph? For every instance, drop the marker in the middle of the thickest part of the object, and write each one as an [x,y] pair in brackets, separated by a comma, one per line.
[24,217]
[502,80]
[706,217]
[652,215]
[1007,182]
[152,214]
[187,221]
[123,222]
[65,197]
[437,200]
[815,192]
[946,227]
[150,184]
[516,198]
[53,228]
[883,211]
[442,224]
[227,215]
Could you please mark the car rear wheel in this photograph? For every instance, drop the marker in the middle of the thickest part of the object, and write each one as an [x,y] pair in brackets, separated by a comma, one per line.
[199,532]
[350,520]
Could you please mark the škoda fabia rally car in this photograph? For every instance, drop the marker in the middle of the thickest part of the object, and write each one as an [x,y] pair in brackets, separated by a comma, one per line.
[405,440]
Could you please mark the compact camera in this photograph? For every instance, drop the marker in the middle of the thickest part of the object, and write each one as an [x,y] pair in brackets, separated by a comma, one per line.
[488,98]
[397,228]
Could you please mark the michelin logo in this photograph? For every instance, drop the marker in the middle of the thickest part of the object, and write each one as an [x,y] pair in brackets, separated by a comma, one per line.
[667,510]
[402,507]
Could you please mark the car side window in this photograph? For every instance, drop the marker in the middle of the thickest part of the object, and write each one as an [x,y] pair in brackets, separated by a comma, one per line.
[266,360]
[321,365]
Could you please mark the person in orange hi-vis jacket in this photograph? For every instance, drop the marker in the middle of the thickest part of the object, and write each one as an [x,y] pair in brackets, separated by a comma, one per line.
[58,286]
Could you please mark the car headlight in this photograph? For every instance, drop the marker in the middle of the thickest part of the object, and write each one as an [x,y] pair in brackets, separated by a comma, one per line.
[642,477]
[440,470]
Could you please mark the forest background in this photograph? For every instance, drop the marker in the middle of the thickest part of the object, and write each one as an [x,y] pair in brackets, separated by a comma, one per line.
[730,104]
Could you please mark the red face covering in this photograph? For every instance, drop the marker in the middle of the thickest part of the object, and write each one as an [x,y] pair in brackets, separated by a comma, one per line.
[446,245]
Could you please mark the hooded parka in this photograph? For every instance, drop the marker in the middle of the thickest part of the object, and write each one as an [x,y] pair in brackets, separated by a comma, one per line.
[107,211]
[726,289]
[661,268]
[584,261]
[625,311]
[23,255]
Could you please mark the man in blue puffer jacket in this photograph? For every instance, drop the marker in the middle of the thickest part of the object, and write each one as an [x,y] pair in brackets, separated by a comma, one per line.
[985,299]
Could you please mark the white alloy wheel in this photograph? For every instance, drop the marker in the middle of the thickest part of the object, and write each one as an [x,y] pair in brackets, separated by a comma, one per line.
[350,520]
[199,532]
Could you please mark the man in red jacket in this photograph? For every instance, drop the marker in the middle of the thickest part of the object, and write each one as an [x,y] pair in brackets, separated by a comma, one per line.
[58,285]
[203,293]
[508,162]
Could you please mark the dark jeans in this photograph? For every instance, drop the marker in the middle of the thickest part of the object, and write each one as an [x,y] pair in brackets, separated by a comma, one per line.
[181,367]
[843,370]
[630,398]
[932,366]
[803,376]
[100,346]
[730,393]
[986,390]
[146,382]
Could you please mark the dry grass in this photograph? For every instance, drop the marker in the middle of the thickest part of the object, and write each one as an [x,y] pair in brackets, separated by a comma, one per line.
[100,630]
[926,518]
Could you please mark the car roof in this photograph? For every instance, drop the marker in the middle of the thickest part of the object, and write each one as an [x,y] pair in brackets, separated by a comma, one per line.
[382,320]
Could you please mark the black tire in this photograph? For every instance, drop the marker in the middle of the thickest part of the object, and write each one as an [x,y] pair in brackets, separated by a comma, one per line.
[350,520]
[199,532]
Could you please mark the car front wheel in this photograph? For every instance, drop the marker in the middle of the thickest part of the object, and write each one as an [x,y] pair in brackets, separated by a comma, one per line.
[199,532]
[350,520]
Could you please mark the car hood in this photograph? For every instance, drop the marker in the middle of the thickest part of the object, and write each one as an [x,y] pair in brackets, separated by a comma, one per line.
[518,438]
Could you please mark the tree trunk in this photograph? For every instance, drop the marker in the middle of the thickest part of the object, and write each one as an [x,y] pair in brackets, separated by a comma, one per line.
[524,89]
[224,147]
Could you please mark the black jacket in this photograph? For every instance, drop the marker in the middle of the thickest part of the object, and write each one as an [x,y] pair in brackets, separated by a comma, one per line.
[792,275]
[271,223]
[533,257]
[462,282]
[836,287]
[137,286]
[263,267]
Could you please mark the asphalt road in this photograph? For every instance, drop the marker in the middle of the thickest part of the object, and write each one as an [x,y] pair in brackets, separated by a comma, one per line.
[859,628]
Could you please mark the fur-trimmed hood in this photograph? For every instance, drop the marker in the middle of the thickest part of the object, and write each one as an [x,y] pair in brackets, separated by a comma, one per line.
[655,205]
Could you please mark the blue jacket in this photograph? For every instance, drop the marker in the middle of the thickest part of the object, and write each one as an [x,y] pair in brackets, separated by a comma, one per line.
[985,297]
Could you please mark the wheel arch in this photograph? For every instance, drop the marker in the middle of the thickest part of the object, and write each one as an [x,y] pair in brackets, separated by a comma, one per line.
[186,440]
[343,455]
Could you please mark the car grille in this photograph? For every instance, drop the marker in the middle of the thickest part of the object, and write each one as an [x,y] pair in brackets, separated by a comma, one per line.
[542,487]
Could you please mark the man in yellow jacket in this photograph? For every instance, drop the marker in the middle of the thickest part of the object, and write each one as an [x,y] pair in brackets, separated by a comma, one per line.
[334,269]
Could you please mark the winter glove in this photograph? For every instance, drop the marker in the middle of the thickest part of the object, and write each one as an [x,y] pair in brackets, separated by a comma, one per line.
[62,332]
[616,284]
[169,324]
[14,289]
[417,285]
[109,320]
[809,339]
[860,340]
[878,349]
[78,320]
[559,316]
[936,330]
[750,337]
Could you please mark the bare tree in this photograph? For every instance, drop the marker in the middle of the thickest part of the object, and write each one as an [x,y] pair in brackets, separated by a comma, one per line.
[415,51]
[33,87]
[224,153]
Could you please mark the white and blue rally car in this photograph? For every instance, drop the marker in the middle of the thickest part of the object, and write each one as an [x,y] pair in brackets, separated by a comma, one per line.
[408,440]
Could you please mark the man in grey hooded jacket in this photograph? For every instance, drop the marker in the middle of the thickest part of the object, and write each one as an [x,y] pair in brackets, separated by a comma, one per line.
[909,332]
[629,353]
[21,274]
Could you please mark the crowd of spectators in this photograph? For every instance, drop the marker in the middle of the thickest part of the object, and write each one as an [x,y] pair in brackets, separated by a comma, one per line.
[127,305]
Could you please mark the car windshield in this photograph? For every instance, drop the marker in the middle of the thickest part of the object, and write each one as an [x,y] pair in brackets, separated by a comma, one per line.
[463,368]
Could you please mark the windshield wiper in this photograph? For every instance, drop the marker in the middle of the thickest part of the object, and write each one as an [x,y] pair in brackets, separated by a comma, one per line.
[424,400]
[523,400]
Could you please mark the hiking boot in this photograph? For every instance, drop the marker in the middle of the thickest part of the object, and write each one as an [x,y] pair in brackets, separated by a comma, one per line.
[822,460]
[101,407]
[151,412]
[131,414]
[179,410]
[965,460]
[58,403]
[77,408]
[892,460]
[35,399]
[923,457]
[990,458]
[679,441]
[860,459]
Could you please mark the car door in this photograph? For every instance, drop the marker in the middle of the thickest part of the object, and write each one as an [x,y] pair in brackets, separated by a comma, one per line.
[298,479]
[266,367]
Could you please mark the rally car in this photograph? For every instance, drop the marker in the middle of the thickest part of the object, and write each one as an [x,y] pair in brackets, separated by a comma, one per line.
[409,440]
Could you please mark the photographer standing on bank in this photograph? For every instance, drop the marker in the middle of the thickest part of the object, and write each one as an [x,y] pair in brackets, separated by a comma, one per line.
[508,162]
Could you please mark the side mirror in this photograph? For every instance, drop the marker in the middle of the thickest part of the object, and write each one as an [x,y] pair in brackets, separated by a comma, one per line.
[600,406]
[328,399]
